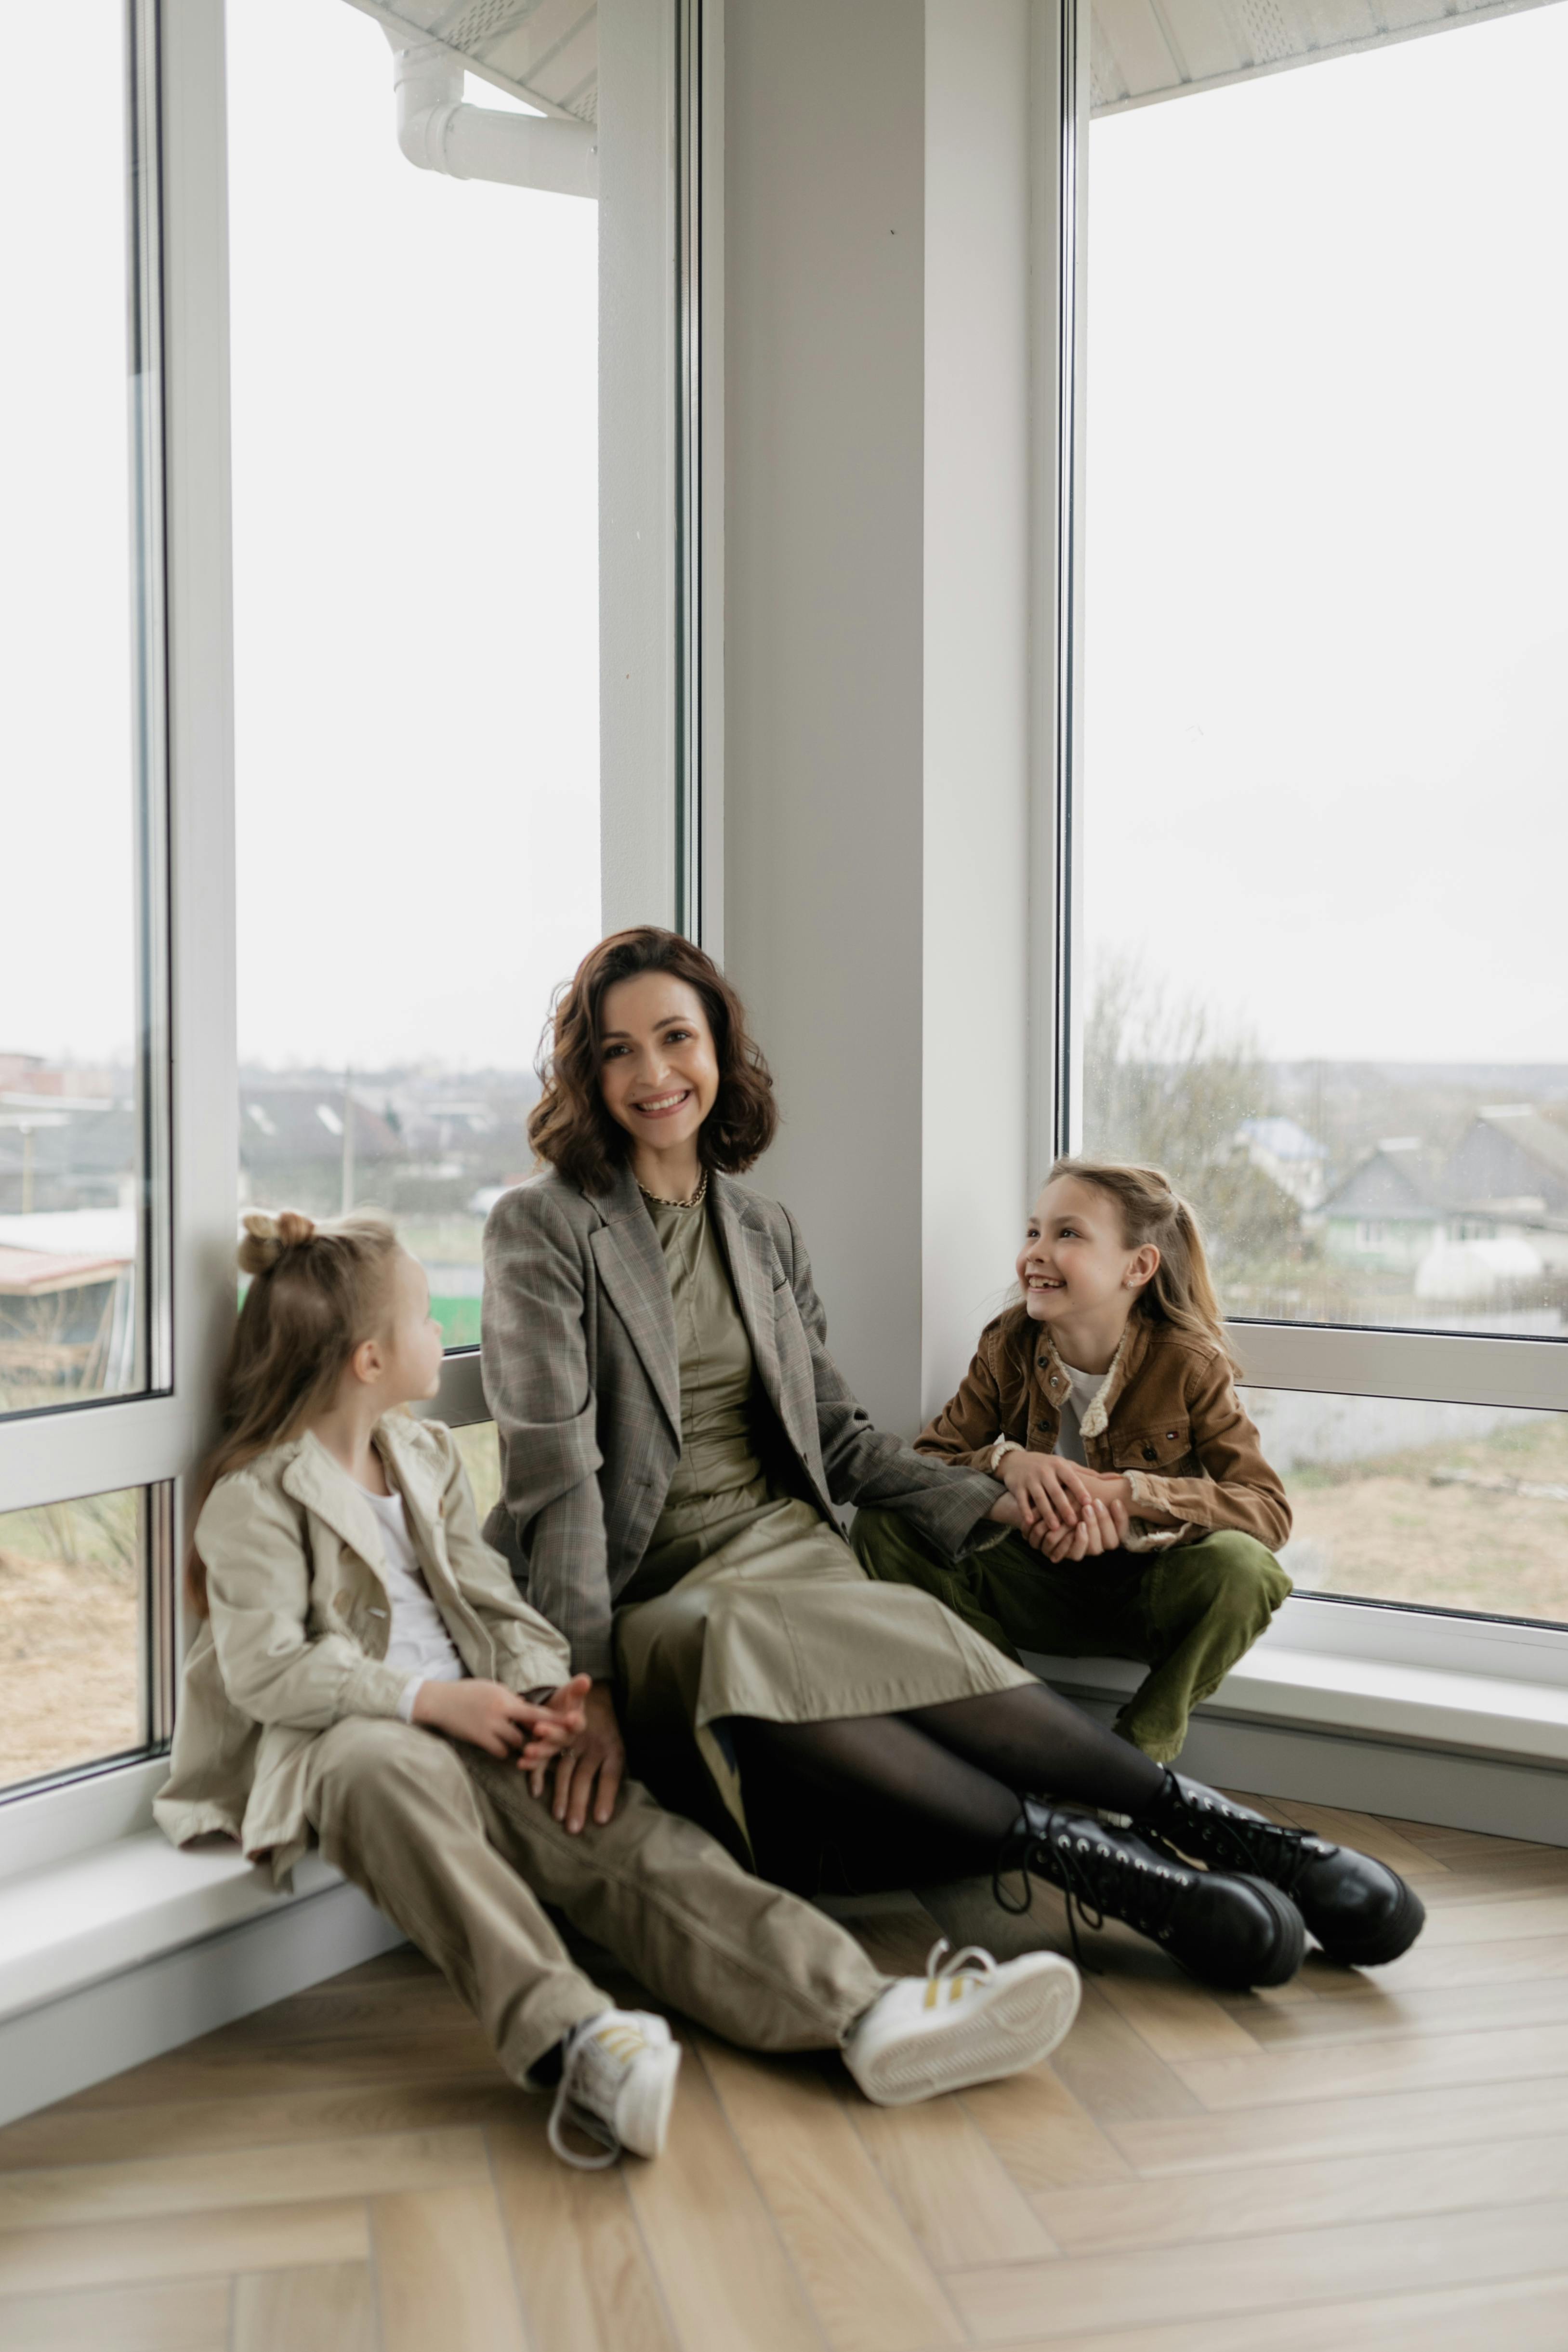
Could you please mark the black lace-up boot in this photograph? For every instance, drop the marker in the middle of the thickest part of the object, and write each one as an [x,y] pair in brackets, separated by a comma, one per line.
[1359,1910]
[1229,1931]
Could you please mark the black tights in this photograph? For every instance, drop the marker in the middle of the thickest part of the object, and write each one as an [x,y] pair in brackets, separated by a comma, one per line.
[932,1791]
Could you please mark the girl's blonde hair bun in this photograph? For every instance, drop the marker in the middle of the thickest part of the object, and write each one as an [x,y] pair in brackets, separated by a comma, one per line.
[266,1237]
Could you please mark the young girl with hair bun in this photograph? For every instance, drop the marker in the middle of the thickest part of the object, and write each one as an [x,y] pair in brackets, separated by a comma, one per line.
[1104,1398]
[367,1673]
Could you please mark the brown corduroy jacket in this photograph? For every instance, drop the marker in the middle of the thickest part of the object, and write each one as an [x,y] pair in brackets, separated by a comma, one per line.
[1167,1418]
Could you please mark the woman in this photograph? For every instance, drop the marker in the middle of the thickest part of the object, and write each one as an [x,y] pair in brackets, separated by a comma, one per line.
[675,1437]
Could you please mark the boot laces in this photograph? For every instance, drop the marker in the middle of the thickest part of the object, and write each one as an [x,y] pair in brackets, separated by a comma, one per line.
[1279,1852]
[1095,1877]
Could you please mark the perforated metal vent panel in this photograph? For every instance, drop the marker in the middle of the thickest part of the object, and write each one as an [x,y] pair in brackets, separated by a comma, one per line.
[1146,49]
[545,52]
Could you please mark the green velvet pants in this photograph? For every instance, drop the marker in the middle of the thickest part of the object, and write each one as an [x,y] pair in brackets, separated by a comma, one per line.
[1188,1614]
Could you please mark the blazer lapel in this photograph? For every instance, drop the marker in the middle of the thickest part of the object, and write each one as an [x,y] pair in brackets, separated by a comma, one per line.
[631,1267]
[751,1254]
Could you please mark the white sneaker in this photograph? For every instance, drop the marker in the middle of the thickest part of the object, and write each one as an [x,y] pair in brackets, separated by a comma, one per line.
[617,2087]
[966,2020]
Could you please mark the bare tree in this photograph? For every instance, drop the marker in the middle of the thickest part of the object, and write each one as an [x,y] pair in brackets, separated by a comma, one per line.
[1167,1081]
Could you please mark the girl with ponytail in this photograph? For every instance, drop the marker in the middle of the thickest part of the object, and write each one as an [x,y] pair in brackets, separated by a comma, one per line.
[367,1676]
[1104,1398]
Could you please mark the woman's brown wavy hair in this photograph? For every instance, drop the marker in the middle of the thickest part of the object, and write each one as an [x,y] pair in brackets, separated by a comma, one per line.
[569,1126]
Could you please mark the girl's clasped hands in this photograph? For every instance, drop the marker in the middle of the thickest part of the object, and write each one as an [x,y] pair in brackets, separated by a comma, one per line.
[1066,1511]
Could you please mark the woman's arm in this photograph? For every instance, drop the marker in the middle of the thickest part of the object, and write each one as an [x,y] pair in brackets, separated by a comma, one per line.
[534,1358]
[864,1464]
[1241,1490]
[258,1595]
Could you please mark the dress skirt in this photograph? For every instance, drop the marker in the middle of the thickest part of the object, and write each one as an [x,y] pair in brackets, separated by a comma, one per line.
[748,1603]
[781,1622]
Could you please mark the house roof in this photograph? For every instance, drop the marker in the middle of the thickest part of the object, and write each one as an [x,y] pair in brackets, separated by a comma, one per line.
[1539,1139]
[1399,1181]
[1282,1139]
[288,1125]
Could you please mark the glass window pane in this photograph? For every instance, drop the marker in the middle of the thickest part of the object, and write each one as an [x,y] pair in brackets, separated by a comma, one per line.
[1438,1506]
[72,1607]
[416,612]
[1320,972]
[75,421]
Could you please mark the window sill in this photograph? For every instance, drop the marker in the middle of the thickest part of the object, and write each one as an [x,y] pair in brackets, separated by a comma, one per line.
[1282,1685]
[70,1925]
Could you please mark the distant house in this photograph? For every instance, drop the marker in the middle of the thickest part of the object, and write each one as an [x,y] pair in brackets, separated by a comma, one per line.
[293,1148]
[1513,1161]
[1391,1210]
[1294,1159]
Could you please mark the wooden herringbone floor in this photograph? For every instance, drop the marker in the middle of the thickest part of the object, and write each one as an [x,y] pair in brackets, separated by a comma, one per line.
[1351,2162]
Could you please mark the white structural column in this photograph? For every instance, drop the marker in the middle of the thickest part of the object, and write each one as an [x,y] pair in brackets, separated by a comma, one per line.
[880,736]
[637,393]
[979,608]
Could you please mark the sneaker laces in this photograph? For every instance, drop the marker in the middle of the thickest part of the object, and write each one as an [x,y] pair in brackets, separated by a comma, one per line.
[1093,1878]
[623,2040]
[951,1970]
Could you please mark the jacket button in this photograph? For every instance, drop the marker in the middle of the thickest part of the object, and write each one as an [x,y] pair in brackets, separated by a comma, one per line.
[1151,1453]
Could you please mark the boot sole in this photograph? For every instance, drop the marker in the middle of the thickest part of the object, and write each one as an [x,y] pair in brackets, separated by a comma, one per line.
[1020,2025]
[1395,1939]
[1280,1965]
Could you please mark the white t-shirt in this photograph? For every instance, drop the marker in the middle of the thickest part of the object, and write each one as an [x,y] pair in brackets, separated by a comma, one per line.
[1083,1390]
[419,1639]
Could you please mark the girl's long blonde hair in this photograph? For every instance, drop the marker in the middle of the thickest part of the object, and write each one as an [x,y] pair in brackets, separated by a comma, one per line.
[315,1292]
[1181,1290]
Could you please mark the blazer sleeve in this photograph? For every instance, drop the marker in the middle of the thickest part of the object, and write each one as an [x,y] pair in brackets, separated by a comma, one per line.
[863,1464]
[970,1422]
[533,1655]
[534,1359]
[1241,1489]
[274,1669]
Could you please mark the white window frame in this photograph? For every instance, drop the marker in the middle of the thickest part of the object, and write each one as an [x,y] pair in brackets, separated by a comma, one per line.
[1426,1366]
[651,215]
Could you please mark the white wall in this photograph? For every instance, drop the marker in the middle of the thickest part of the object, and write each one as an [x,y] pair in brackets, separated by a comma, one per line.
[877,618]
[824,131]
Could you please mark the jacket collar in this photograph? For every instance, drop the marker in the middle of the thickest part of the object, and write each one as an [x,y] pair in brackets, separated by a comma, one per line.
[631,1267]
[1124,1363]
[313,1478]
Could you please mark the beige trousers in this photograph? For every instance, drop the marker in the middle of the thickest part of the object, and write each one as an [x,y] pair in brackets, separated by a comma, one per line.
[451,1846]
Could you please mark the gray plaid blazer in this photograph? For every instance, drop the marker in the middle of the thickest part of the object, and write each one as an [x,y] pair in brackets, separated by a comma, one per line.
[582,1375]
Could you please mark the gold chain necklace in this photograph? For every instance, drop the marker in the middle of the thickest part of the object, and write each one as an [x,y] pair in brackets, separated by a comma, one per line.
[659,1201]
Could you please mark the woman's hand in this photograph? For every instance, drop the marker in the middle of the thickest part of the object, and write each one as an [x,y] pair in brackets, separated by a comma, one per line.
[488,1716]
[591,1770]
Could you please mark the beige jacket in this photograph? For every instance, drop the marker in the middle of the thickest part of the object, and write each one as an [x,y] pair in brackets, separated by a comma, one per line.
[300,1622]
[1169,1418]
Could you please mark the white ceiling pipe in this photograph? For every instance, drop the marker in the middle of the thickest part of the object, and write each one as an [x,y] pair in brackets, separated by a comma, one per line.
[437,131]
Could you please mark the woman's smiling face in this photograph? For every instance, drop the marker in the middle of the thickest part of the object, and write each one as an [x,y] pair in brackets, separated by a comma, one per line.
[658,1071]
[1075,1259]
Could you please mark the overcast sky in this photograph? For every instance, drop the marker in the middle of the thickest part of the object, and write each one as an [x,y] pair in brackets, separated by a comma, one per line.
[1326,736]
[1328,609]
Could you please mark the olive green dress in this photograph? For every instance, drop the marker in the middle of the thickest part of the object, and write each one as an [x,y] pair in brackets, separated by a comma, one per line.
[747,1601]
